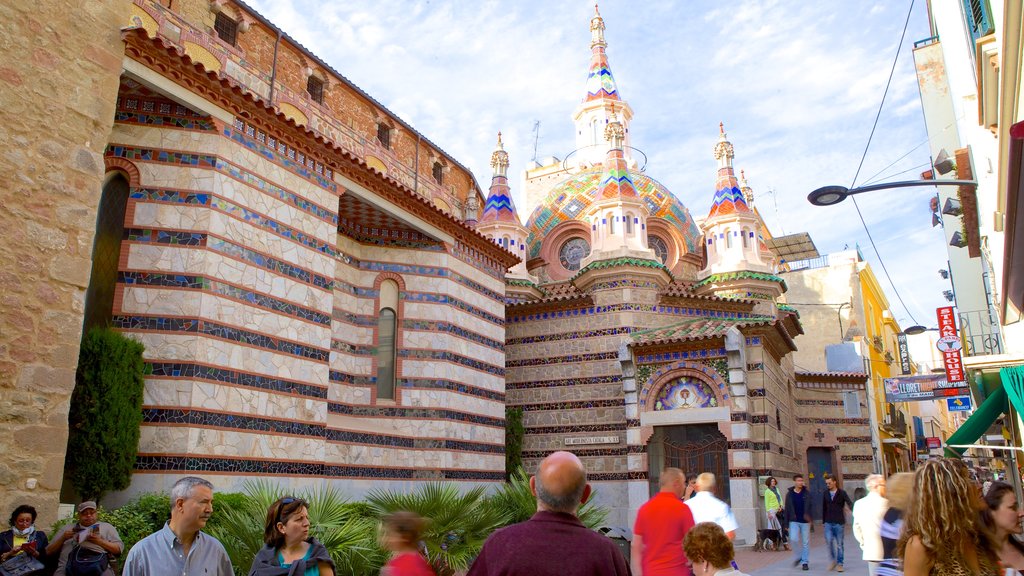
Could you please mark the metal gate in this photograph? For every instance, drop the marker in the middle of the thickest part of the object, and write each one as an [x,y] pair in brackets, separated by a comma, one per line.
[694,449]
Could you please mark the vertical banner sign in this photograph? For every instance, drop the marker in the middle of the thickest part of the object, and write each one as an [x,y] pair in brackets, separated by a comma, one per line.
[949,345]
[901,340]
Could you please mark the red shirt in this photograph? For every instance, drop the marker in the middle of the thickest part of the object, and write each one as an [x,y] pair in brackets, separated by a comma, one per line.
[662,523]
[408,564]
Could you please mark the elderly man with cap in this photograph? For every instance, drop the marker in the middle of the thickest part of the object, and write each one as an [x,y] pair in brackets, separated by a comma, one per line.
[86,539]
[553,541]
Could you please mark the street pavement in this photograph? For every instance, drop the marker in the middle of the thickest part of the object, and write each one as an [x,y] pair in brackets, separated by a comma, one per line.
[781,563]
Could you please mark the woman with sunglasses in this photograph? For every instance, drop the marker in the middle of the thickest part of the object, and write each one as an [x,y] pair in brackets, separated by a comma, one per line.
[289,549]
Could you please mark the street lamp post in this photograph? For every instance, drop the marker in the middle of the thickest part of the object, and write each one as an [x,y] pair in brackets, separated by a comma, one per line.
[830,195]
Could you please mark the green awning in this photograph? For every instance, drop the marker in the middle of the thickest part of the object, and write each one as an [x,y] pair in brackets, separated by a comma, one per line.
[973,428]
[1013,383]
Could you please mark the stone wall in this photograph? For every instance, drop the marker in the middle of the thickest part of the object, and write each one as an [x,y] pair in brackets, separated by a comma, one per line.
[59,72]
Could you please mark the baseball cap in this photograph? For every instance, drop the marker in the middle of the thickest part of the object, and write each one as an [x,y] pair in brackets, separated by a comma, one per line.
[87,505]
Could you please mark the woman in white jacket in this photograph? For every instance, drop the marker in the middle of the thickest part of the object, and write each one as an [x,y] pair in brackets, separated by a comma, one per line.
[867,521]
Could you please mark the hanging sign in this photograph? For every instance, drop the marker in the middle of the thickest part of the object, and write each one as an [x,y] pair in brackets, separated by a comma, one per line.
[922,387]
[949,345]
[901,341]
[958,404]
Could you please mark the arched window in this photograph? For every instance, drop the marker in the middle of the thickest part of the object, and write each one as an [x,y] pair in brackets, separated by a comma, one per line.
[438,173]
[611,224]
[728,239]
[106,252]
[746,243]
[594,132]
[659,246]
[629,223]
[504,241]
[387,333]
[573,252]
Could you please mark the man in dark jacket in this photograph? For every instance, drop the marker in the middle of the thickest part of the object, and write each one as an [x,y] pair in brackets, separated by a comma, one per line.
[833,515]
[798,516]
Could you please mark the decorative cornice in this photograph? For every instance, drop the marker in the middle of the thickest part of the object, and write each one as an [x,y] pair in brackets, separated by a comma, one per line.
[741,275]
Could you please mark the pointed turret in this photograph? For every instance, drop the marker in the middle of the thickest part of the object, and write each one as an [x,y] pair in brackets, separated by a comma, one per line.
[736,264]
[500,221]
[748,192]
[499,206]
[728,198]
[601,103]
[617,183]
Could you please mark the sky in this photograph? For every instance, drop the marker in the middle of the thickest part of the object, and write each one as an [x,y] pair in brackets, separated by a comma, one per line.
[797,84]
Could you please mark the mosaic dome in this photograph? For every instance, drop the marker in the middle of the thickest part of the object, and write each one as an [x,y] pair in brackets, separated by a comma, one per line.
[570,198]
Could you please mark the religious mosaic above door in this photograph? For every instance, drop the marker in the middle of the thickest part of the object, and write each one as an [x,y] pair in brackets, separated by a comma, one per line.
[685,393]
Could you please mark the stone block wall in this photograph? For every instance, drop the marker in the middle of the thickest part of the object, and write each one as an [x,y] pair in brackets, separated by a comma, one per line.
[58,81]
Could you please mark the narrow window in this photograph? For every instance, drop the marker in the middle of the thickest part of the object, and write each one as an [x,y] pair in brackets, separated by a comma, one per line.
[629,223]
[315,88]
[386,325]
[728,240]
[384,135]
[438,173]
[226,28]
[106,252]
[746,243]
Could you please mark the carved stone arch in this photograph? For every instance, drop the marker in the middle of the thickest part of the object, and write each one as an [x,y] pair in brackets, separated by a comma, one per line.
[130,171]
[388,276]
[668,373]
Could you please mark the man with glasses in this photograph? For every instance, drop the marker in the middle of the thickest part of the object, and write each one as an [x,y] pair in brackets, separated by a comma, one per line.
[181,548]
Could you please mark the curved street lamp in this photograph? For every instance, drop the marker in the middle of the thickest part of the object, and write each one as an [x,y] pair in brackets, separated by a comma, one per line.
[830,195]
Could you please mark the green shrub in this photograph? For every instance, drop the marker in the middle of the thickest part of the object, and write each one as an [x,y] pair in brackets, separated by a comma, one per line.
[514,432]
[105,415]
[223,503]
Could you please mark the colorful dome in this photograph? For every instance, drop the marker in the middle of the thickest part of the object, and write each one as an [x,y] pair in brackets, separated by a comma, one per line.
[572,197]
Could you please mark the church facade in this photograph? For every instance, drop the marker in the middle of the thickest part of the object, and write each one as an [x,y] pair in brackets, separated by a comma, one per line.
[326,295]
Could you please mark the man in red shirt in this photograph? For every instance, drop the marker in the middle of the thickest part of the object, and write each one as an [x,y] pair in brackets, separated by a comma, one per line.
[661,524]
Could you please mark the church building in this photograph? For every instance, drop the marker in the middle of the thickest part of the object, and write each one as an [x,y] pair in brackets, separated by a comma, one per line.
[325,295]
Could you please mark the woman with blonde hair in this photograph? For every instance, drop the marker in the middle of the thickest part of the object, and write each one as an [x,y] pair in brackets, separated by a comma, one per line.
[710,551]
[897,492]
[941,536]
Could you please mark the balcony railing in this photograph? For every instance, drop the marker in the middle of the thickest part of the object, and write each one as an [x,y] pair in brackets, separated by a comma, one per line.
[980,333]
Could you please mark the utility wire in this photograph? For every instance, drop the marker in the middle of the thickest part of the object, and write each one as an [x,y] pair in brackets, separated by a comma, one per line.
[878,115]
[911,169]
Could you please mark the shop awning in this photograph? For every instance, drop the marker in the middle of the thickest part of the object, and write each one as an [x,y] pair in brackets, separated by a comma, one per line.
[975,426]
[1013,383]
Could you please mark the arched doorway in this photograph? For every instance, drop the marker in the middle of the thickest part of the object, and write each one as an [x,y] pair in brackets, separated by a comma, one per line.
[106,252]
[694,449]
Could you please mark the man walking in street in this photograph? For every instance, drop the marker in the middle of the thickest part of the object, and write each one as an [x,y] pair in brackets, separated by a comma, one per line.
[661,524]
[553,541]
[706,508]
[798,515]
[180,547]
[835,501]
[867,521]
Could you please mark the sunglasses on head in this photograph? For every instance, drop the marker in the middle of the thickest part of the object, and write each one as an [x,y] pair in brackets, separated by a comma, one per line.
[286,501]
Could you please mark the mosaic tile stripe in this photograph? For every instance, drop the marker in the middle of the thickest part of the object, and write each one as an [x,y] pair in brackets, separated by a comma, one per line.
[413,412]
[562,359]
[342,378]
[222,375]
[761,472]
[454,302]
[570,335]
[453,329]
[173,463]
[572,405]
[629,307]
[280,159]
[681,355]
[229,249]
[213,162]
[170,196]
[354,349]
[478,261]
[271,225]
[585,453]
[409,269]
[346,436]
[854,439]
[164,121]
[205,284]
[819,402]
[561,383]
[856,458]
[217,330]
[193,417]
[339,315]
[439,384]
[446,356]
[577,428]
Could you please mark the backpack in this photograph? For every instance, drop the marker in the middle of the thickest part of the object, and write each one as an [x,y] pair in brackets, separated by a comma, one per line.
[85,562]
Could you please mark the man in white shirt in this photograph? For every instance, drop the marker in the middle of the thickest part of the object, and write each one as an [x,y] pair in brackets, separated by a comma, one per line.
[867,521]
[706,508]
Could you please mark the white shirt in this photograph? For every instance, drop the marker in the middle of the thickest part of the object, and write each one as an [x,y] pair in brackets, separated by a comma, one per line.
[867,522]
[706,508]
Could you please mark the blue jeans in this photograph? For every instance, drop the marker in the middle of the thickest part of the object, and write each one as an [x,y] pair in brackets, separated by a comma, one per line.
[800,534]
[834,538]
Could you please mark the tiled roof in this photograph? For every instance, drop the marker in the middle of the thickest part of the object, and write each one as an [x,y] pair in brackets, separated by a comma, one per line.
[743,274]
[803,376]
[499,206]
[697,329]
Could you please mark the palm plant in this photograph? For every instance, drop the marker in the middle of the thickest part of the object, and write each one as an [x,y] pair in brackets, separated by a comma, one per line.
[459,522]
[349,536]
[515,499]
